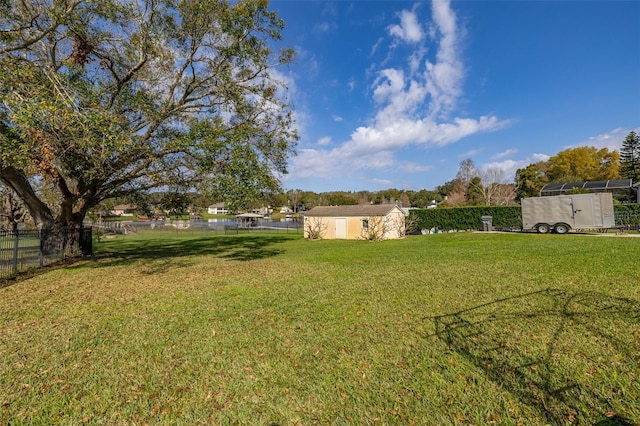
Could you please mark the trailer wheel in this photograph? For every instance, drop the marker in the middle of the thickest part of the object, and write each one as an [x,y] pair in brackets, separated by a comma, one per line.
[561,228]
[543,228]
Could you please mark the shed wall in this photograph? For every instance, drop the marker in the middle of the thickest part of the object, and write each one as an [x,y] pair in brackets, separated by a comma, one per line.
[354,225]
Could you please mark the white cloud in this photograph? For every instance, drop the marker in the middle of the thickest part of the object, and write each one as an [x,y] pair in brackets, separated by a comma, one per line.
[324,27]
[504,154]
[444,77]
[509,167]
[413,105]
[539,157]
[287,86]
[373,148]
[380,182]
[409,167]
[409,29]
[324,141]
[471,153]
[337,118]
[330,10]
[375,47]
[311,64]
[405,132]
[611,140]
[392,84]
[313,163]
[415,60]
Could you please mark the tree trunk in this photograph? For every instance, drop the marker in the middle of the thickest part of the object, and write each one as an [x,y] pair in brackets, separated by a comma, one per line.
[65,234]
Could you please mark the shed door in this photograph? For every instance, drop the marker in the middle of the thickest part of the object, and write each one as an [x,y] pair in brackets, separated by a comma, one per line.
[340,228]
[583,213]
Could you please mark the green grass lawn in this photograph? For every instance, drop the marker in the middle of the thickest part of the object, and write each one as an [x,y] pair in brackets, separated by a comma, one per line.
[466,328]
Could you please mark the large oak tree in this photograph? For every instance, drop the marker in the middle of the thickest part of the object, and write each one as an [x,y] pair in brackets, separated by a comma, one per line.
[105,99]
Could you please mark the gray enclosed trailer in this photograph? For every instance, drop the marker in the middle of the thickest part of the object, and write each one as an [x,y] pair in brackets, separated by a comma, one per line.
[562,213]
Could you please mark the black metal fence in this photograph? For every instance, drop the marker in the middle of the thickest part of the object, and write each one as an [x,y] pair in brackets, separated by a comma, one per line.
[184,227]
[272,228]
[22,250]
[628,220]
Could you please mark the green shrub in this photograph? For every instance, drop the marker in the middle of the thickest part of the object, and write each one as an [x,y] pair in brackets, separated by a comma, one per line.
[467,218]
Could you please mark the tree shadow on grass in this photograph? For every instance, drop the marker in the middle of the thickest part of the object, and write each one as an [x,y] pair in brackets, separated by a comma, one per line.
[571,356]
[162,254]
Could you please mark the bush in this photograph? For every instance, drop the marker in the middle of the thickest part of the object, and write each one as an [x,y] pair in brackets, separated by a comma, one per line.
[467,218]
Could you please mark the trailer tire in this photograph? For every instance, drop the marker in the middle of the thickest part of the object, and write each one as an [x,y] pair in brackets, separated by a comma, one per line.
[561,228]
[543,228]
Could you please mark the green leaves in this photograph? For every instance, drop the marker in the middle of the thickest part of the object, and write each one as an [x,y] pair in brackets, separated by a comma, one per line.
[126,97]
[583,164]
[466,218]
[630,157]
[242,177]
[176,203]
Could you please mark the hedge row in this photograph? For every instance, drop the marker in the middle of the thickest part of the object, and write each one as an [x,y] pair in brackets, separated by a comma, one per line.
[506,217]
[627,208]
[462,218]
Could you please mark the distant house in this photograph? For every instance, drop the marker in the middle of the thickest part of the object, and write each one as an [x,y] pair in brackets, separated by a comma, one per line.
[286,210]
[123,210]
[217,209]
[264,211]
[355,222]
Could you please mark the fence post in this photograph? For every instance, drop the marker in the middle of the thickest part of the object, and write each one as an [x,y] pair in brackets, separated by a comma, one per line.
[86,241]
[16,241]
[65,242]
[41,250]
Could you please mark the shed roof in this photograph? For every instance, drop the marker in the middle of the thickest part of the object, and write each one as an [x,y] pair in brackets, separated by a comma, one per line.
[352,210]
[597,185]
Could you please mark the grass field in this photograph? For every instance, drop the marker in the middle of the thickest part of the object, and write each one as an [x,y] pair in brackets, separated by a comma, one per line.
[469,328]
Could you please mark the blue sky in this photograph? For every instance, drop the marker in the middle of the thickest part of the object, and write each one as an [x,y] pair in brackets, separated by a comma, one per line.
[395,94]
